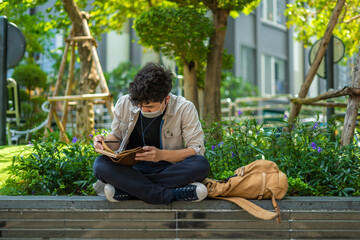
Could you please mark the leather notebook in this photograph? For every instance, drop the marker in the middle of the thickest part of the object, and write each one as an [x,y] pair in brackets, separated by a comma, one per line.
[126,157]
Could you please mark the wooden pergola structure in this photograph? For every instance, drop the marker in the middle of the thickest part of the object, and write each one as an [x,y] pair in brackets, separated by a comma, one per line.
[72,41]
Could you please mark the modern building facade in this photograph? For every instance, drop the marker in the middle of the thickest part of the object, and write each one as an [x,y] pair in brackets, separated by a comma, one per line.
[267,55]
[263,48]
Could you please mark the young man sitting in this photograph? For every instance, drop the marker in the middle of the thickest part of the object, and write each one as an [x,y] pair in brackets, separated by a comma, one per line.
[167,127]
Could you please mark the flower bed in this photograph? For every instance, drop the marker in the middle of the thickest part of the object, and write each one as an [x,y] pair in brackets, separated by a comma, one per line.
[310,155]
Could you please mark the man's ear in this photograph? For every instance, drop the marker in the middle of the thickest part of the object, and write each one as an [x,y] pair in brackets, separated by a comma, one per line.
[167,99]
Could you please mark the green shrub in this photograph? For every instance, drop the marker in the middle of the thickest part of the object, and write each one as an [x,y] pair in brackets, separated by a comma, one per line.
[234,87]
[310,155]
[33,84]
[30,76]
[298,188]
[52,168]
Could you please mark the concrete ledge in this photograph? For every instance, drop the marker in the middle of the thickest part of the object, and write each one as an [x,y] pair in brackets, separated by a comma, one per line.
[97,202]
[58,217]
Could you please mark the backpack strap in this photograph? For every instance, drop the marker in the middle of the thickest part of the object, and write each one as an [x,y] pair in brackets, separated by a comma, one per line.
[263,185]
[276,206]
[254,209]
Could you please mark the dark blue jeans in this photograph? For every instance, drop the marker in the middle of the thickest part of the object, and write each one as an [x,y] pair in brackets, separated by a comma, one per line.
[151,182]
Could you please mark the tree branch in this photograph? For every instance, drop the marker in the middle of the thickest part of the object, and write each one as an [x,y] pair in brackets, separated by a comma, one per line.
[150,3]
[328,104]
[352,19]
[346,91]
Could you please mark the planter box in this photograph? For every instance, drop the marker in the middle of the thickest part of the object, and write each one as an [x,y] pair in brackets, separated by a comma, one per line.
[95,217]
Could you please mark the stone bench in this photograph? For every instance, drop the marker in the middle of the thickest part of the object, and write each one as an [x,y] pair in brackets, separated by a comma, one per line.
[59,217]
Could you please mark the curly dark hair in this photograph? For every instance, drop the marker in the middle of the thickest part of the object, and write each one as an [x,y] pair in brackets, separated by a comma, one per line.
[151,84]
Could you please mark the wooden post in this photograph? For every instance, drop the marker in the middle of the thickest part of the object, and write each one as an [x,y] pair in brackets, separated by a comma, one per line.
[295,108]
[71,41]
[68,86]
[103,84]
[61,128]
[57,86]
[352,108]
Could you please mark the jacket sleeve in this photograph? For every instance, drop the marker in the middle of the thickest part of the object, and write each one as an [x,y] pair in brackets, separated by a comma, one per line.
[192,132]
[118,126]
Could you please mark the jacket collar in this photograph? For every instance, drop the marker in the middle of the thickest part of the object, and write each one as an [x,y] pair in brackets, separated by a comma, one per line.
[170,109]
[133,108]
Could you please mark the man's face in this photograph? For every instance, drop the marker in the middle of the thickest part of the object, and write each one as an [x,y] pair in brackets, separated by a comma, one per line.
[154,106]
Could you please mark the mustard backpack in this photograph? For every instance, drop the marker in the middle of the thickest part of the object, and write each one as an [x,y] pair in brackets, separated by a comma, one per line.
[260,179]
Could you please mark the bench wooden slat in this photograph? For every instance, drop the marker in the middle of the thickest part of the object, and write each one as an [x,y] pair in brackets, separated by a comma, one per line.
[79,97]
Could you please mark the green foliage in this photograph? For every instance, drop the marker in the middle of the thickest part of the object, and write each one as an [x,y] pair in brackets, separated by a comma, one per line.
[298,187]
[233,87]
[179,33]
[36,30]
[310,155]
[111,15]
[33,78]
[6,156]
[31,112]
[51,168]
[30,76]
[231,5]
[58,18]
[120,77]
[310,19]
[250,7]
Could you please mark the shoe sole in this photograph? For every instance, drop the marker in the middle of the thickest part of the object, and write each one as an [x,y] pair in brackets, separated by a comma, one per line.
[109,193]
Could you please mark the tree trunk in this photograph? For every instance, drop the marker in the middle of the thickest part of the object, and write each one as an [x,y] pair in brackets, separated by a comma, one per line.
[352,108]
[295,108]
[190,83]
[88,76]
[212,107]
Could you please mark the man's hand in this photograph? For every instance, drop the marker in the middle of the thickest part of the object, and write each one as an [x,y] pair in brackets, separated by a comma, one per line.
[113,146]
[151,154]
[97,141]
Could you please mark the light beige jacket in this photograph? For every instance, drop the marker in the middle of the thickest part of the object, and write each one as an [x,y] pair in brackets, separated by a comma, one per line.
[180,126]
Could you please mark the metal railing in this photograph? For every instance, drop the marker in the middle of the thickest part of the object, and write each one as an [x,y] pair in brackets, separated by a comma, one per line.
[267,109]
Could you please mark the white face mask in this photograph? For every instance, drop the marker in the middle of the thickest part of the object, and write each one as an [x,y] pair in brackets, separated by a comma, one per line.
[153,114]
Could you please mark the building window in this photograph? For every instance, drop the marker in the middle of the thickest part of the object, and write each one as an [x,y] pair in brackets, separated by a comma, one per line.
[273,72]
[248,64]
[273,11]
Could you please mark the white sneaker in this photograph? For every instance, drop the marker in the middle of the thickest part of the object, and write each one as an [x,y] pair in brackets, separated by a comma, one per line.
[99,188]
[115,195]
[194,192]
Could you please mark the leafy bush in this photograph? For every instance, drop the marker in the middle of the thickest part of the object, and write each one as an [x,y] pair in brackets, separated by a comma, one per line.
[33,83]
[310,155]
[31,113]
[298,187]
[52,168]
[30,76]
[234,87]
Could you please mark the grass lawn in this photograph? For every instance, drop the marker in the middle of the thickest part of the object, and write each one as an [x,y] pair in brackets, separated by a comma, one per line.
[6,156]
